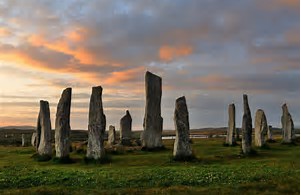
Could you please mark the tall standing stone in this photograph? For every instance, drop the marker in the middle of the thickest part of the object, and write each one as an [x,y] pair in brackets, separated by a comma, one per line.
[25,140]
[182,148]
[126,129]
[112,135]
[261,128]
[97,126]
[43,141]
[153,122]
[270,133]
[246,129]
[288,132]
[230,139]
[34,139]
[62,125]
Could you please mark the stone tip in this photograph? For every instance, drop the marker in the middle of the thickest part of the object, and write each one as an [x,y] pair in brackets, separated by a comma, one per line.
[97,88]
[43,102]
[181,99]
[127,112]
[148,73]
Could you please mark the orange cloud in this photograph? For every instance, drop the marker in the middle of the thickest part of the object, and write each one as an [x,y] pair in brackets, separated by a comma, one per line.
[168,53]
[124,76]
[278,4]
[4,32]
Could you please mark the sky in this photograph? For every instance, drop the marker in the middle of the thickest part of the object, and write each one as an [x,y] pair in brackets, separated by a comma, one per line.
[211,51]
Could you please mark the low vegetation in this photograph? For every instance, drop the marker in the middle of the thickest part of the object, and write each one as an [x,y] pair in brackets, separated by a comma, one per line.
[218,169]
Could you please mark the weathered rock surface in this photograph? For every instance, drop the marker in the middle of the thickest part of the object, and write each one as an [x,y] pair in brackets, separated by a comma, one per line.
[270,132]
[43,141]
[261,128]
[288,132]
[230,139]
[153,122]
[246,129]
[112,135]
[34,139]
[126,129]
[62,125]
[25,140]
[97,126]
[182,148]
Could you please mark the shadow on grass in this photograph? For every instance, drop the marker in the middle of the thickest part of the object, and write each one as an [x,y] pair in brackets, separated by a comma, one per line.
[162,148]
[228,145]
[104,160]
[41,158]
[63,160]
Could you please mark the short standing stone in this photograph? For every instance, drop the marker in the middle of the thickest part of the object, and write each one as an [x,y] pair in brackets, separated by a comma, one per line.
[34,139]
[230,139]
[43,141]
[62,125]
[246,129]
[182,148]
[97,126]
[288,132]
[25,140]
[270,132]
[112,135]
[153,122]
[126,129]
[260,128]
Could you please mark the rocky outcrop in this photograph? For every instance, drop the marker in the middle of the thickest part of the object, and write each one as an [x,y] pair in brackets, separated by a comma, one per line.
[153,122]
[97,126]
[62,125]
[261,127]
[182,148]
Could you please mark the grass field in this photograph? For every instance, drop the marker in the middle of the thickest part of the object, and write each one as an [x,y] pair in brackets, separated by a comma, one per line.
[219,170]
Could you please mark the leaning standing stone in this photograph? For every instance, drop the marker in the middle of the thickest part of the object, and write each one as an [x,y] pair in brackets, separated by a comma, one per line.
[34,139]
[62,125]
[112,135]
[260,128]
[230,139]
[288,132]
[182,148]
[153,122]
[246,141]
[43,143]
[126,129]
[97,126]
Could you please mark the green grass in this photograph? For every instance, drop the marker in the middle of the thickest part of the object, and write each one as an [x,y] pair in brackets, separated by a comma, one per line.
[218,170]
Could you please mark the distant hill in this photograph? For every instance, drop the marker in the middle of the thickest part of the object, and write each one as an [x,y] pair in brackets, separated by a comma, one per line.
[18,127]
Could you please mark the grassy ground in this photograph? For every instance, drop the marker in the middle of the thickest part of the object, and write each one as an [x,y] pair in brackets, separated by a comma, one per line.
[219,170]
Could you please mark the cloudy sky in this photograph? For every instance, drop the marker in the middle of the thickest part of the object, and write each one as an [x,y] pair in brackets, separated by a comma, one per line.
[211,51]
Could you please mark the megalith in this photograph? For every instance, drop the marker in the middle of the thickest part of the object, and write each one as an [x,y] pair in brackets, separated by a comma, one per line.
[34,139]
[261,128]
[112,135]
[97,126]
[182,148]
[43,140]
[246,129]
[25,140]
[231,131]
[62,125]
[153,122]
[288,132]
[126,129]
[270,132]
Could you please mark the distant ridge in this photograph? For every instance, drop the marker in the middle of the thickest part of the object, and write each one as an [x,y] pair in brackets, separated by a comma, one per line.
[18,127]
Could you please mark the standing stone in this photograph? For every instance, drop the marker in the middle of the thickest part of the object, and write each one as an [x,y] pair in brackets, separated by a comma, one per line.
[288,132]
[182,148]
[270,133]
[236,134]
[246,129]
[97,126]
[43,141]
[261,128]
[112,135]
[153,122]
[126,129]
[25,140]
[230,139]
[62,125]
[34,139]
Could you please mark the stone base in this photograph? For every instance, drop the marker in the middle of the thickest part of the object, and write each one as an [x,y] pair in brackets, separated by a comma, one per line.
[126,142]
